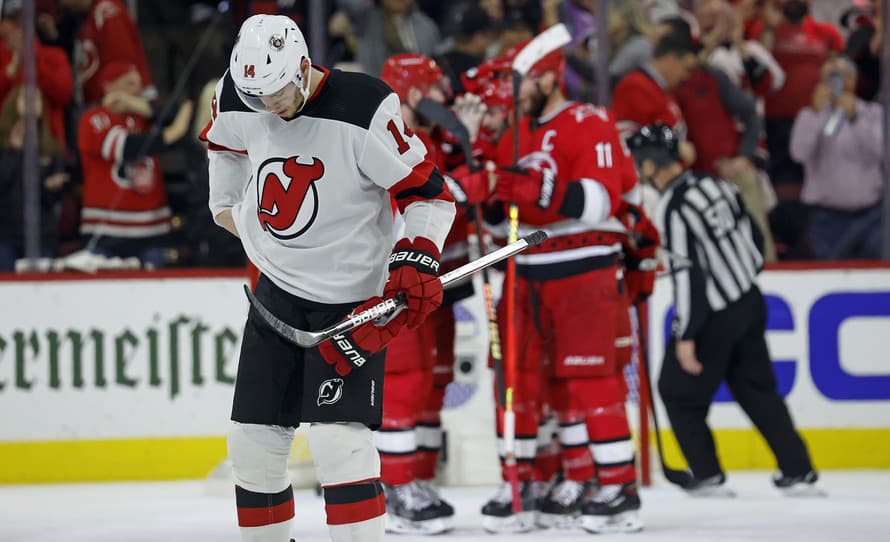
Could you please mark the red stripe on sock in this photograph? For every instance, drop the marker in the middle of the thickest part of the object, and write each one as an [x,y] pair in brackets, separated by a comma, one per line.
[267,515]
[342,514]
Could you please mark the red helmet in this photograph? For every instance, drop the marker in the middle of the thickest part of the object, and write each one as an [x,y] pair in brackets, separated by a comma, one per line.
[404,71]
[497,93]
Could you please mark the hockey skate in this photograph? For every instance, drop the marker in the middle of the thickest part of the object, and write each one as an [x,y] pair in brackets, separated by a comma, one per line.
[411,510]
[613,509]
[803,485]
[444,506]
[712,486]
[562,506]
[498,516]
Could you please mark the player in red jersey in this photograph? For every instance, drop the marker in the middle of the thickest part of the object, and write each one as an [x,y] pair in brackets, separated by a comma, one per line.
[569,182]
[420,362]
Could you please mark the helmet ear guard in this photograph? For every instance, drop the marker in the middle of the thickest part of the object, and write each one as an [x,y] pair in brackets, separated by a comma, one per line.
[267,55]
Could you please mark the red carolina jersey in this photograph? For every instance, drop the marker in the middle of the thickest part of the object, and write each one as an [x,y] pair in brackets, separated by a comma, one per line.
[639,99]
[579,143]
[119,200]
[108,34]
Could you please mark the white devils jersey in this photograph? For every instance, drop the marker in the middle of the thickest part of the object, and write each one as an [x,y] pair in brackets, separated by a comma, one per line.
[311,196]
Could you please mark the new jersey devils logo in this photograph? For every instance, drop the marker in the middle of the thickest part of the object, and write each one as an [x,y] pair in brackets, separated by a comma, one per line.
[288,199]
[330,391]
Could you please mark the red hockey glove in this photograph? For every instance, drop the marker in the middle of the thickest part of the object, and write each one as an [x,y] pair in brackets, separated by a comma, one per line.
[414,270]
[354,348]
[472,187]
[521,186]
[640,252]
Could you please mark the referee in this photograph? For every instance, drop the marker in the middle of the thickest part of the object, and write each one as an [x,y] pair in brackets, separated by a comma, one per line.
[720,317]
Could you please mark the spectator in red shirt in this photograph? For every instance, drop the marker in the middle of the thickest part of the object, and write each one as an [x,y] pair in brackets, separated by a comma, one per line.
[108,34]
[644,96]
[54,77]
[801,46]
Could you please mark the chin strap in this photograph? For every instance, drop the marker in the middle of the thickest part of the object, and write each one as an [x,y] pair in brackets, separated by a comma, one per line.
[304,91]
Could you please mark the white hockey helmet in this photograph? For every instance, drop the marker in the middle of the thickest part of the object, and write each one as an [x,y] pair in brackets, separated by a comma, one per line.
[266,57]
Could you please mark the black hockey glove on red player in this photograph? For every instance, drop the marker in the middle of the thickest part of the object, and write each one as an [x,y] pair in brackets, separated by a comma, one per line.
[354,348]
[640,252]
[414,270]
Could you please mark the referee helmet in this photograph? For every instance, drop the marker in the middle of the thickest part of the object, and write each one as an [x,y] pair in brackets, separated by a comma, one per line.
[656,142]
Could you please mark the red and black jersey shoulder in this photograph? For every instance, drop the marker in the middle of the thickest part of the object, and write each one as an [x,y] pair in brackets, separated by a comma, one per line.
[347,97]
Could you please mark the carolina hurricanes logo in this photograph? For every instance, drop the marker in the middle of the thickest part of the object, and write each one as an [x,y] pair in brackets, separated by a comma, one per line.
[330,391]
[288,198]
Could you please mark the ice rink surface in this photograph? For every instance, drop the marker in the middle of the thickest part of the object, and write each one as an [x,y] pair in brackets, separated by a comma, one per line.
[857,508]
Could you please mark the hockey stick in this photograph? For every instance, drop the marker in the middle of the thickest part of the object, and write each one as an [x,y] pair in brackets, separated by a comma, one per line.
[677,477]
[546,42]
[446,118]
[307,339]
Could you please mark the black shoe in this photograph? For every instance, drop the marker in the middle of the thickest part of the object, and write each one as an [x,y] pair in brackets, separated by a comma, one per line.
[711,486]
[411,510]
[445,508]
[562,505]
[802,485]
[612,509]
[498,515]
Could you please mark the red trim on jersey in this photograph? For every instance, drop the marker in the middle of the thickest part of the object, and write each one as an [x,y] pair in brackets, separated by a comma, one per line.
[211,146]
[344,514]
[324,79]
[419,175]
[267,515]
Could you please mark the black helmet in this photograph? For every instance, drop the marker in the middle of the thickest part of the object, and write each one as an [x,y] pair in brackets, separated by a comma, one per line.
[656,142]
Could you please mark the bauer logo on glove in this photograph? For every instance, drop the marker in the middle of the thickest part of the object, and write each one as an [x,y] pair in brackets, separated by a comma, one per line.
[418,259]
[414,272]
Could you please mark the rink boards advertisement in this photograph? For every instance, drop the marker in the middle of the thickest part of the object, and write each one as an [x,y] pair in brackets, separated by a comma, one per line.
[126,378]
[827,332]
[129,376]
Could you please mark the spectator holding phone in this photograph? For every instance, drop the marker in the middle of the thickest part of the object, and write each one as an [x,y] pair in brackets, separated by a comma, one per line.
[839,141]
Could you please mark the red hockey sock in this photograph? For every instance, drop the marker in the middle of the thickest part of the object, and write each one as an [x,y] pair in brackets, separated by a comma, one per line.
[263,509]
[354,502]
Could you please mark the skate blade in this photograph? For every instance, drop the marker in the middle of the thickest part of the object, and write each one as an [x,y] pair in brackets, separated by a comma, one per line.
[522,522]
[399,525]
[625,522]
[804,491]
[557,521]
[719,492]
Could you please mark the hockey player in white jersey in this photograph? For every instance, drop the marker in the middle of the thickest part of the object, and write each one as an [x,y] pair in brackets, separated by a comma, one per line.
[304,163]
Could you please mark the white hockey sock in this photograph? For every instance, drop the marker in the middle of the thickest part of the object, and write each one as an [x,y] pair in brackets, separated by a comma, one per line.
[371,530]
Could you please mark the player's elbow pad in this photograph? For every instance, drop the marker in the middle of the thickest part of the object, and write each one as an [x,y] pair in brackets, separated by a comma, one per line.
[587,200]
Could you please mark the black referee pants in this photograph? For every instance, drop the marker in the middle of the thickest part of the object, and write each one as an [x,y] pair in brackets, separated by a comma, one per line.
[731,347]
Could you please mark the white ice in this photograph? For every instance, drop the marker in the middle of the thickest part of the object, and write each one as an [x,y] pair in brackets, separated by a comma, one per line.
[857,508]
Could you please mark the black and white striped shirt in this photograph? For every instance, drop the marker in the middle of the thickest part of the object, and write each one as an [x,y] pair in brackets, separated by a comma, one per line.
[703,221]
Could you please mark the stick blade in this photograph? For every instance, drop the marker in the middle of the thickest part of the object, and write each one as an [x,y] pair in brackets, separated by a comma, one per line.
[680,478]
[549,40]
[305,339]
